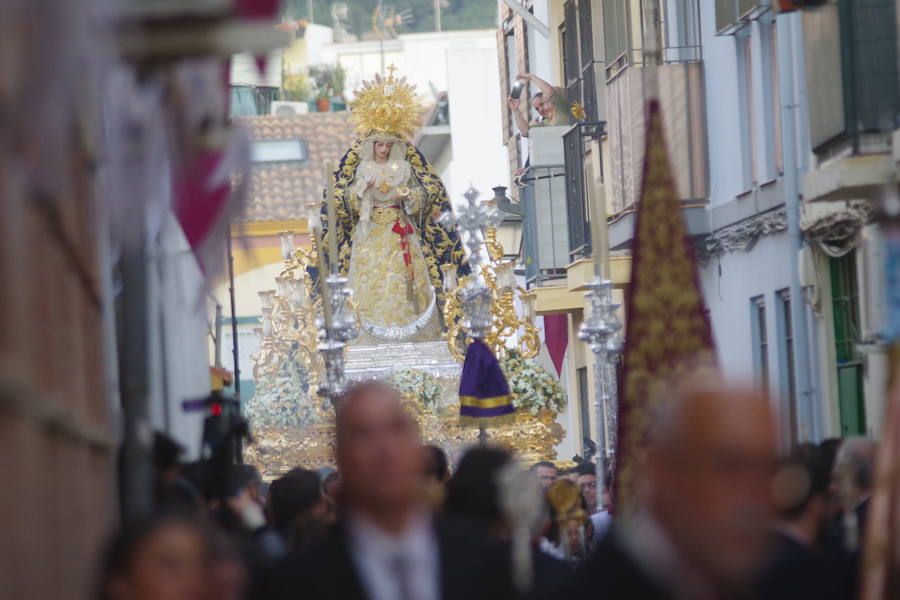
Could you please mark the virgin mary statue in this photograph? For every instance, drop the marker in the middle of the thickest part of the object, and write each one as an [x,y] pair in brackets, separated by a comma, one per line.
[388,199]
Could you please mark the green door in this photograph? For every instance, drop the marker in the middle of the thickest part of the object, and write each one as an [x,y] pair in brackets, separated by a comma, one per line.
[845,302]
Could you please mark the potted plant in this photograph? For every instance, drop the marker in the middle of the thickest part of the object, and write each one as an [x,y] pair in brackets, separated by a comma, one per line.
[330,81]
[322,79]
[323,98]
[296,87]
[338,82]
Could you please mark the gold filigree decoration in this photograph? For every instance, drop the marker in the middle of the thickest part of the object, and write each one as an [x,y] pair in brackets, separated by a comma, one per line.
[505,322]
[276,450]
[387,106]
[440,246]
[668,331]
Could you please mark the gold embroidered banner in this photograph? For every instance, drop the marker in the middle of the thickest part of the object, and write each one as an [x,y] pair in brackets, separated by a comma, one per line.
[667,326]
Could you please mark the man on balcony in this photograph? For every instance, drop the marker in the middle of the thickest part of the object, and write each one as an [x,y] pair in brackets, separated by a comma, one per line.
[551,103]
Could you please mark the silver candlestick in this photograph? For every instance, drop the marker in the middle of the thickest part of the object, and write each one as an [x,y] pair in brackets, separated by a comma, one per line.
[600,330]
[476,298]
[333,336]
[471,220]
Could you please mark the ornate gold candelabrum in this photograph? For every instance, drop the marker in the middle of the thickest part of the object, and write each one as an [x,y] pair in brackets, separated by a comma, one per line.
[288,330]
[482,305]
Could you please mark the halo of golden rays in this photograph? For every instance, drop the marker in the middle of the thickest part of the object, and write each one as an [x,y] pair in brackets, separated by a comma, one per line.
[387,106]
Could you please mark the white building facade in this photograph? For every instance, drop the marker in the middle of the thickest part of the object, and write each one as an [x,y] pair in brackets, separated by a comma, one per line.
[780,163]
[750,259]
[793,266]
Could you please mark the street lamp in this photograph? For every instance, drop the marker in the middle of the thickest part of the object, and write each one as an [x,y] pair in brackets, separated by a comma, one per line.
[509,232]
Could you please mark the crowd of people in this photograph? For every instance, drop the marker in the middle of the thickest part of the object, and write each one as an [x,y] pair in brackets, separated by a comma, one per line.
[720,514]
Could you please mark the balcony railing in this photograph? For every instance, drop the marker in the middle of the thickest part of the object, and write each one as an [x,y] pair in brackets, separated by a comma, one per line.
[545,224]
[577,212]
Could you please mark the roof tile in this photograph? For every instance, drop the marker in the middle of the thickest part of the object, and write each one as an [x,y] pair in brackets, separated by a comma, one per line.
[280,192]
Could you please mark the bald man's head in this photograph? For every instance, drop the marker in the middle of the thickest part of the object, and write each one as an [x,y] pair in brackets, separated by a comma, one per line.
[379,454]
[710,462]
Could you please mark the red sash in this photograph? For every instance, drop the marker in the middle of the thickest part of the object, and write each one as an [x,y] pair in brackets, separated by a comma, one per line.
[404,229]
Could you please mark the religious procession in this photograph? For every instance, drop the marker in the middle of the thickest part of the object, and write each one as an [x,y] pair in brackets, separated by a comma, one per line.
[450,299]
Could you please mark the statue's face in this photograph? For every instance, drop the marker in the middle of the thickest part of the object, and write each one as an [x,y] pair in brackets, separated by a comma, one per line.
[383,149]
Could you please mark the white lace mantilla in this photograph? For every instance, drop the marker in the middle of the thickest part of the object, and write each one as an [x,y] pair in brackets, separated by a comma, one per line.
[390,175]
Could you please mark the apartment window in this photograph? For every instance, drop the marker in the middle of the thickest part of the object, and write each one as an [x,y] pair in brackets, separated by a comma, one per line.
[845,308]
[291,150]
[615,29]
[760,340]
[733,15]
[726,15]
[578,57]
[512,70]
[788,374]
[588,80]
[749,108]
[680,29]
[845,303]
[626,24]
[778,154]
[569,40]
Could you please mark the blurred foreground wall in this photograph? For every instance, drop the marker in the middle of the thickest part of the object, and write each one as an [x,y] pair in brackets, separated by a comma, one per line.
[56,445]
[56,450]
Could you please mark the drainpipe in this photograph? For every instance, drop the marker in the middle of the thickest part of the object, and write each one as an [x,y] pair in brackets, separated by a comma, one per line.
[807,421]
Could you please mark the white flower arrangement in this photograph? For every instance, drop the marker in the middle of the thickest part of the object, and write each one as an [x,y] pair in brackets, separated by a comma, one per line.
[417,383]
[283,400]
[534,389]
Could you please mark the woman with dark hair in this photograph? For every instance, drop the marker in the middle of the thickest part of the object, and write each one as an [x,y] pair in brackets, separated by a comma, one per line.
[299,508]
[472,492]
[474,496]
[164,558]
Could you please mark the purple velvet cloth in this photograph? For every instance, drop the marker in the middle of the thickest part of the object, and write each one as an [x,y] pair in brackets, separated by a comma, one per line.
[483,389]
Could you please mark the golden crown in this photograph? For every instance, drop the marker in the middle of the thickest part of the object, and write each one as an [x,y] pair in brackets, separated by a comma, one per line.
[387,106]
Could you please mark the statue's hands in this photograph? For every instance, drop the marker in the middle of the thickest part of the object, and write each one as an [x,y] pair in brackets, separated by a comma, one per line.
[371,184]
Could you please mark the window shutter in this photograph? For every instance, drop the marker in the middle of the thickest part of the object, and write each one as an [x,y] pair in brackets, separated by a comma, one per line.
[588,78]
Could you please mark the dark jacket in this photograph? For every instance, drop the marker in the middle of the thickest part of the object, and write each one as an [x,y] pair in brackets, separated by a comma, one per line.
[610,573]
[796,570]
[469,568]
[548,573]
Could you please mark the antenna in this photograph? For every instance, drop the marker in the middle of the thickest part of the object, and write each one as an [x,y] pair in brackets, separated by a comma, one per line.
[384,22]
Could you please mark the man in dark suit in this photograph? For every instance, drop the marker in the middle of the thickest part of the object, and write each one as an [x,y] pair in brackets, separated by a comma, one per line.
[700,526]
[797,566]
[388,545]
